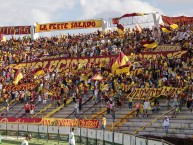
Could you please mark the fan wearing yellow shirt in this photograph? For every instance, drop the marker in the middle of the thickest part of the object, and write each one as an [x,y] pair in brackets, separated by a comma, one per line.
[104,122]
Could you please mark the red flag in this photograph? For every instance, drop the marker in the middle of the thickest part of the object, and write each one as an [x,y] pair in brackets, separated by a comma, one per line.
[119,26]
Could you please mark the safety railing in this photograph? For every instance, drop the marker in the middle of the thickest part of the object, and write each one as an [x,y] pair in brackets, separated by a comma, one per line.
[59,108]
[153,121]
[86,136]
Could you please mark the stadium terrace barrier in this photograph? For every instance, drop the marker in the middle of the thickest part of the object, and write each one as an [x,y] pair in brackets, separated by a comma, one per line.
[82,135]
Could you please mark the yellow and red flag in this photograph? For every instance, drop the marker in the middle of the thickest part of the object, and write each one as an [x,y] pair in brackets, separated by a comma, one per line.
[138,28]
[149,44]
[39,71]
[18,77]
[121,63]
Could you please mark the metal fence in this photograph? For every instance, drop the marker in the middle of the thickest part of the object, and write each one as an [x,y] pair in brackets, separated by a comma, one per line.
[83,136]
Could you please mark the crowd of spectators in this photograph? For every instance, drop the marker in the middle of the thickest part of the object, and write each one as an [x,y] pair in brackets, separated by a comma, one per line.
[77,81]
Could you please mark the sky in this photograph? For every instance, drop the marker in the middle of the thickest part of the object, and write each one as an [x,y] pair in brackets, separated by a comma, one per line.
[27,12]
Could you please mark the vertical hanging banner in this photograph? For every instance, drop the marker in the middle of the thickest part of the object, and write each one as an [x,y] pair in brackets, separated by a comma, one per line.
[108,138]
[2,129]
[84,132]
[85,24]
[22,130]
[132,140]
[64,134]
[53,132]
[140,141]
[12,129]
[100,137]
[77,135]
[153,142]
[33,130]
[118,138]
[43,132]
[92,135]
[127,139]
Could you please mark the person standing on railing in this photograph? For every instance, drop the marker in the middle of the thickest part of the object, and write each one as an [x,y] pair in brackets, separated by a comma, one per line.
[166,124]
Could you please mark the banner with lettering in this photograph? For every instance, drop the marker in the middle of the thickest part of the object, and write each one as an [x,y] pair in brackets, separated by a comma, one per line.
[161,48]
[25,86]
[20,120]
[63,63]
[71,122]
[176,20]
[85,24]
[15,30]
[86,123]
[142,93]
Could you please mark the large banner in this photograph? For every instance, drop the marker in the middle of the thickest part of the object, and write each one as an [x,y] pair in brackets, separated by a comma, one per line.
[20,120]
[180,19]
[86,123]
[142,93]
[161,48]
[26,86]
[71,122]
[15,30]
[85,24]
[62,63]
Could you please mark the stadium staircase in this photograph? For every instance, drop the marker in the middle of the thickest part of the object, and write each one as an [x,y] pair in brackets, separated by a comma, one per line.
[85,105]
[68,110]
[3,110]
[69,105]
[181,126]
[42,111]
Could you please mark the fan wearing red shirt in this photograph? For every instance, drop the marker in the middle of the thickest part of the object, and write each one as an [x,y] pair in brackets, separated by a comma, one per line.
[27,108]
